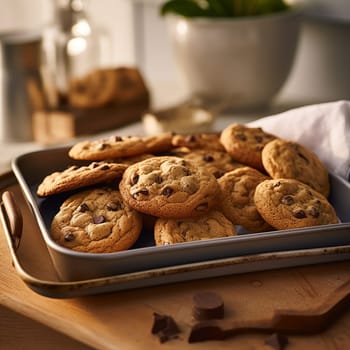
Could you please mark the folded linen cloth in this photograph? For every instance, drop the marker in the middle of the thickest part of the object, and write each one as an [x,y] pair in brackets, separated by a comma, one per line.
[323,128]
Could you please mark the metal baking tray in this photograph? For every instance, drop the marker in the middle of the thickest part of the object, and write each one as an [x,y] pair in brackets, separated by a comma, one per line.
[31,168]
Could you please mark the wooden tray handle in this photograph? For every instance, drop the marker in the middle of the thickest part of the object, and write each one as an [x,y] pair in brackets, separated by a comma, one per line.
[14,218]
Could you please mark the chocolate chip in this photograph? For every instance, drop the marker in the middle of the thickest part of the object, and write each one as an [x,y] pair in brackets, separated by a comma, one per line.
[218,174]
[114,206]
[142,192]
[259,138]
[117,139]
[241,137]
[135,179]
[277,341]
[164,327]
[190,138]
[288,200]
[206,330]
[187,172]
[158,179]
[102,146]
[313,212]
[207,306]
[94,165]
[69,237]
[167,191]
[299,214]
[83,208]
[105,167]
[208,158]
[99,219]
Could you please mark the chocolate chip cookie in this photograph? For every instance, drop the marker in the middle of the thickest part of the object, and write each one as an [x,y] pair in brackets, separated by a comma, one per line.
[211,225]
[120,147]
[96,221]
[217,162]
[288,203]
[237,191]
[76,177]
[169,187]
[288,159]
[245,144]
[198,141]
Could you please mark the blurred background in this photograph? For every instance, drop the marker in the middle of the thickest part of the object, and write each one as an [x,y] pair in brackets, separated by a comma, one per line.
[139,38]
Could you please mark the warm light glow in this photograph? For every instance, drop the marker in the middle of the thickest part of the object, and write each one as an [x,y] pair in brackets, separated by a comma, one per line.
[76,46]
[81,28]
[181,29]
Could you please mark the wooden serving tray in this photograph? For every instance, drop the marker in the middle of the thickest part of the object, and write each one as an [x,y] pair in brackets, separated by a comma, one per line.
[124,319]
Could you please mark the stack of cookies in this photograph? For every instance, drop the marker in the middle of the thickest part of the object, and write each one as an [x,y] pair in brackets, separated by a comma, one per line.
[185,188]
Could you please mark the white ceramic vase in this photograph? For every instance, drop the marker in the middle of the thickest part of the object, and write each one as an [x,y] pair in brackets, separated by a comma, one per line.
[245,60]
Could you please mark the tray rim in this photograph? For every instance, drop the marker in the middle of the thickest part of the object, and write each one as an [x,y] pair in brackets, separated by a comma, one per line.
[69,289]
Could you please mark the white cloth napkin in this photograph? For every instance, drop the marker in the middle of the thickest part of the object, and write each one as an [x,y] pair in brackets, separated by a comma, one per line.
[323,128]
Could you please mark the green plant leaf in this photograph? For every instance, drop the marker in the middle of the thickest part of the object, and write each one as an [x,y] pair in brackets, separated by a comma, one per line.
[187,8]
[222,8]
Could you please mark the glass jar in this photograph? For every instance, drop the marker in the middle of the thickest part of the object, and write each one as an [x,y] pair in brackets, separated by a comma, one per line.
[72,47]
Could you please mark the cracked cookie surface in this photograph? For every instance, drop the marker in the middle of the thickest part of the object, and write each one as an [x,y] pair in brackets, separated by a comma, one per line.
[288,159]
[245,144]
[209,226]
[76,177]
[237,191]
[288,203]
[169,187]
[96,221]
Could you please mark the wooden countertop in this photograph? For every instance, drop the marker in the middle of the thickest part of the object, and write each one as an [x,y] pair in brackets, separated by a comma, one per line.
[123,320]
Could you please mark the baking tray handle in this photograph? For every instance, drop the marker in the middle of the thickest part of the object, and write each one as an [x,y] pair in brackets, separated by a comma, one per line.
[14,219]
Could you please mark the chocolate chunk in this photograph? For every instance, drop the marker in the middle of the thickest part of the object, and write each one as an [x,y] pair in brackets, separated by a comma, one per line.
[69,237]
[259,138]
[164,327]
[207,306]
[277,341]
[299,214]
[99,219]
[83,208]
[241,137]
[288,200]
[218,174]
[135,179]
[102,146]
[143,192]
[208,158]
[167,191]
[117,139]
[314,212]
[105,167]
[158,179]
[114,206]
[206,330]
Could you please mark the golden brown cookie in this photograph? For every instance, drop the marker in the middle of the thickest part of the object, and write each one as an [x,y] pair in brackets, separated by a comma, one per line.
[217,162]
[211,225]
[245,144]
[169,187]
[96,221]
[198,141]
[76,177]
[116,147]
[288,159]
[237,191]
[129,85]
[289,203]
[109,148]
[94,90]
